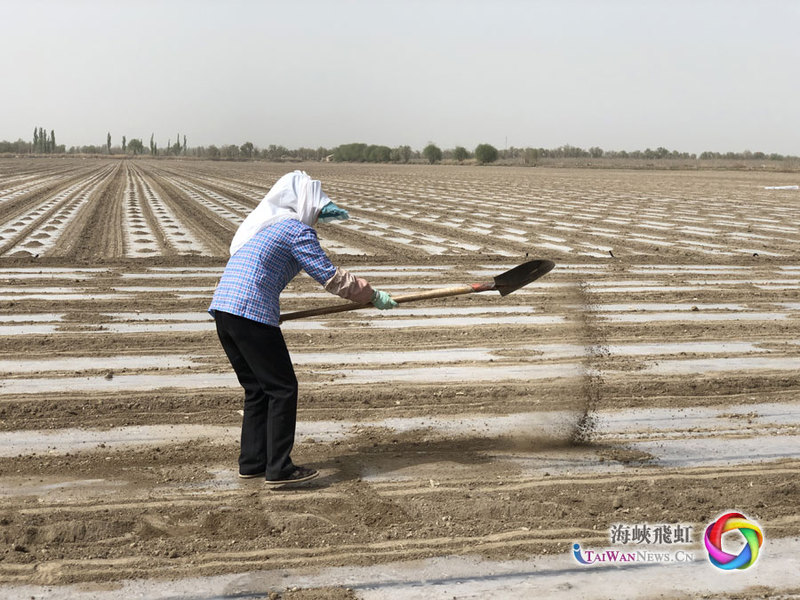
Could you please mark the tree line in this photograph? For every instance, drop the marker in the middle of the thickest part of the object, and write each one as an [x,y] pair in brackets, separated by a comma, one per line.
[44,142]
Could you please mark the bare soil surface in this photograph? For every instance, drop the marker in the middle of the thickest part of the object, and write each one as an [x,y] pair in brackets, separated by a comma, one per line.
[673,291]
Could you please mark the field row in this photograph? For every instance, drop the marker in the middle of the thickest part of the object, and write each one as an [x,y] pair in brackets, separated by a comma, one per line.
[149,329]
[184,208]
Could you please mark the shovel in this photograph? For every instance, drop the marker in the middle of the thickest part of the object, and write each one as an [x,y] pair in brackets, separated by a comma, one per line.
[505,283]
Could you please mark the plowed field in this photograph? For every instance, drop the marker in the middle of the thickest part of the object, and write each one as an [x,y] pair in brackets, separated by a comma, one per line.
[650,378]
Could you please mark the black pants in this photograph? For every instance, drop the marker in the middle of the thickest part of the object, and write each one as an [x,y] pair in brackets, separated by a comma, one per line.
[258,354]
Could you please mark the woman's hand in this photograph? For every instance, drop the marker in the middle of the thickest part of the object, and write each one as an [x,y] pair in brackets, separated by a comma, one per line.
[382,300]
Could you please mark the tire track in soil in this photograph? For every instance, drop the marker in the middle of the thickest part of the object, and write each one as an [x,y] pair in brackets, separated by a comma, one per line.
[97,231]
[12,208]
[58,410]
[375,247]
[215,185]
[165,248]
[179,491]
[149,182]
[489,247]
[214,232]
[181,533]
[28,203]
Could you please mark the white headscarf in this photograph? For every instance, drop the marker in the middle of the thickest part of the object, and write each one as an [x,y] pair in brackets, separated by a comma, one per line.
[294,196]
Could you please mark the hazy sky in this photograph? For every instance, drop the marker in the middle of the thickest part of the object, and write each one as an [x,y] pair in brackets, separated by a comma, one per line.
[688,75]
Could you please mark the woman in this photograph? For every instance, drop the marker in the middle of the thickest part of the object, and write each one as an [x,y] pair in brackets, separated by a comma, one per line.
[270,247]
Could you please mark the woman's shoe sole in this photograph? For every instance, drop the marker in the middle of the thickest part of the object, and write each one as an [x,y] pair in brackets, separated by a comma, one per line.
[290,481]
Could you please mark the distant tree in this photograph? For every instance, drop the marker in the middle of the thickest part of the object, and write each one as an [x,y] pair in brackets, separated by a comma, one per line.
[52,140]
[273,152]
[124,145]
[35,139]
[18,147]
[432,153]
[485,153]
[309,153]
[401,154]
[213,151]
[511,153]
[358,152]
[136,146]
[530,156]
[350,153]
[230,151]
[152,145]
[108,142]
[86,149]
[247,149]
[460,153]
[176,147]
[378,153]
[184,143]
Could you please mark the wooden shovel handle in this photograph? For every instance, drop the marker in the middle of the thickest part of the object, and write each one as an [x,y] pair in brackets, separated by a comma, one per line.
[439,293]
[445,292]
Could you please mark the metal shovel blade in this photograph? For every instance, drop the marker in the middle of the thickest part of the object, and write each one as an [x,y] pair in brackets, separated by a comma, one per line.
[522,275]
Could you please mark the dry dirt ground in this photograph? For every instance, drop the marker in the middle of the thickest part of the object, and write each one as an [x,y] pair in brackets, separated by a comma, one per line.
[650,378]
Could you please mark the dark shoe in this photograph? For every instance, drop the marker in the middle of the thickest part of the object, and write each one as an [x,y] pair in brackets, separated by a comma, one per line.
[299,474]
[251,475]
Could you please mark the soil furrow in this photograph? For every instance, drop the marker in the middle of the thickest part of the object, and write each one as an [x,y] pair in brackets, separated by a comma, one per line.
[97,229]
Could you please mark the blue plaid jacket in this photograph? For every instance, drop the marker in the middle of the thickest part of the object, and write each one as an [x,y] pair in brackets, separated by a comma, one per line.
[255,276]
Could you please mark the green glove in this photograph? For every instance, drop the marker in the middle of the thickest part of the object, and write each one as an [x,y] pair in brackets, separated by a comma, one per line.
[382,300]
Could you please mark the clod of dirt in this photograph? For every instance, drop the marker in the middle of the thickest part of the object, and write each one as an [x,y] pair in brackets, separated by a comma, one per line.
[325,593]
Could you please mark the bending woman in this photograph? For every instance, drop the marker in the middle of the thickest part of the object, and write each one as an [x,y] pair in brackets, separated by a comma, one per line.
[270,247]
